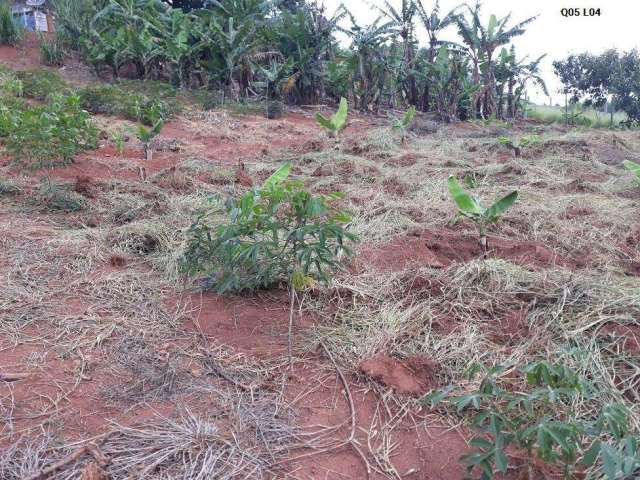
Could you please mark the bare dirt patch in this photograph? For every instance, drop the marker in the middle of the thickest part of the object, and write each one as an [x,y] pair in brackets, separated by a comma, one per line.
[414,375]
[441,248]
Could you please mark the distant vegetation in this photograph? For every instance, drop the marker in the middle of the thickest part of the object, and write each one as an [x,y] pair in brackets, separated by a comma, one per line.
[597,79]
[575,114]
[287,51]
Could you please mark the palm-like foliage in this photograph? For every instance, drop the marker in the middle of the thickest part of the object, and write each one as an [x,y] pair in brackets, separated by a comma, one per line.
[402,20]
[368,60]
[305,35]
[128,31]
[178,48]
[289,46]
[227,45]
[433,23]
[481,43]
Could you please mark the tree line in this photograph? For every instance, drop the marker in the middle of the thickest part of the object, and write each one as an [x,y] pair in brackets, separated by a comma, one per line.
[288,50]
[611,78]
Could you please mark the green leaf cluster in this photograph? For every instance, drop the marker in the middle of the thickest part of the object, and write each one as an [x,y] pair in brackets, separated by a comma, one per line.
[539,419]
[279,232]
[471,207]
[633,168]
[41,136]
[337,121]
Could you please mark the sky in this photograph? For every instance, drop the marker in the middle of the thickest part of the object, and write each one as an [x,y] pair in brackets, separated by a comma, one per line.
[551,33]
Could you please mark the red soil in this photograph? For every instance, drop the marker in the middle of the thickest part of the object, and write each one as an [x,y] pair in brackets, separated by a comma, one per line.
[441,248]
[415,375]
[626,336]
[255,325]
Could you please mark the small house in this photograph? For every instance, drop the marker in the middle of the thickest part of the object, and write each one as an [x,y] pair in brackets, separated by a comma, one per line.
[32,15]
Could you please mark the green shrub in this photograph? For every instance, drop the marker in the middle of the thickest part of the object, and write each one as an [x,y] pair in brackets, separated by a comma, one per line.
[10,31]
[518,144]
[275,109]
[10,85]
[43,135]
[540,419]
[113,100]
[633,168]
[39,84]
[146,136]
[277,233]
[8,187]
[7,120]
[51,51]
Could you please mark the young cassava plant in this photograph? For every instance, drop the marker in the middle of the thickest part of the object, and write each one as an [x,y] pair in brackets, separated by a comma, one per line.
[338,120]
[537,418]
[470,207]
[633,168]
[401,124]
[276,233]
[146,135]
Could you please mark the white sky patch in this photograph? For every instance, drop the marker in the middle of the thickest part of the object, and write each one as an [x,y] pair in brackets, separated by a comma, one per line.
[553,34]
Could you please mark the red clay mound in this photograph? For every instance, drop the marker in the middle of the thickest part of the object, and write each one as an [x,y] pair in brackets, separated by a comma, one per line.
[413,376]
[441,248]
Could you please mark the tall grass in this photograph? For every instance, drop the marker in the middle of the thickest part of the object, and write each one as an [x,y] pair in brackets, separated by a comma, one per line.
[51,51]
[587,118]
[10,31]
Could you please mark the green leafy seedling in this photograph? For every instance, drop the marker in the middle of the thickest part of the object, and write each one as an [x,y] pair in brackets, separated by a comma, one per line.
[337,122]
[470,207]
[146,135]
[118,140]
[633,168]
[401,124]
[517,145]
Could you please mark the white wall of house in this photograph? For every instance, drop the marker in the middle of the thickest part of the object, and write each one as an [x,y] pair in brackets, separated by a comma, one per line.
[32,18]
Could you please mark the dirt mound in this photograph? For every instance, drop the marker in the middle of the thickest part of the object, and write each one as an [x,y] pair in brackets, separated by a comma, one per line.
[511,328]
[85,186]
[422,126]
[579,148]
[413,376]
[408,159]
[441,248]
[354,146]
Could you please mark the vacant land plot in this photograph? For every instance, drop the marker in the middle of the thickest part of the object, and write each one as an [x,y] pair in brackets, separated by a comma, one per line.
[113,365]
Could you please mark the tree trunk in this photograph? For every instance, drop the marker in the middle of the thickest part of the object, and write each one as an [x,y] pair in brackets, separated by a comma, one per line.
[510,110]
[408,61]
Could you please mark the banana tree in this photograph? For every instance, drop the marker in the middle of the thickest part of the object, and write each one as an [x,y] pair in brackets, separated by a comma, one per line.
[481,43]
[337,121]
[470,207]
[368,59]
[177,47]
[305,35]
[128,31]
[275,77]
[451,86]
[227,46]
[434,24]
[401,124]
[146,136]
[402,19]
